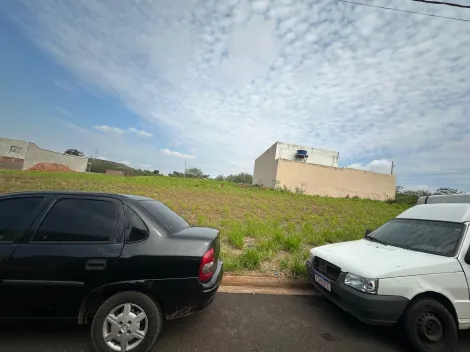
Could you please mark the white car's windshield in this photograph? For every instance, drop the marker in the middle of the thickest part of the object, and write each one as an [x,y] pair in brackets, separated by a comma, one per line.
[435,237]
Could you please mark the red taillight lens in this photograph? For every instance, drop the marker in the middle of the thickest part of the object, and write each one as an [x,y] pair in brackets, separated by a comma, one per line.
[207,268]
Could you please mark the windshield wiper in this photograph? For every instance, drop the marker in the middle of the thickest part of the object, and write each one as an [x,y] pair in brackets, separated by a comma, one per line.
[373,239]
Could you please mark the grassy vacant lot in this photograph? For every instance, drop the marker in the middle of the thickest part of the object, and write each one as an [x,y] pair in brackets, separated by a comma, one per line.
[264,232]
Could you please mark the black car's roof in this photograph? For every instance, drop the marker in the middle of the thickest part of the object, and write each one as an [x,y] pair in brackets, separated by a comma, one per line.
[131,196]
[78,193]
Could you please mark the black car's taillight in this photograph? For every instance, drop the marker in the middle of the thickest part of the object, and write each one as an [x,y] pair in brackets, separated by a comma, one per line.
[208,266]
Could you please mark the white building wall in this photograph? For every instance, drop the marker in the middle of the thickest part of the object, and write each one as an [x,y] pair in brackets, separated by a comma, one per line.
[265,170]
[37,155]
[317,156]
[12,148]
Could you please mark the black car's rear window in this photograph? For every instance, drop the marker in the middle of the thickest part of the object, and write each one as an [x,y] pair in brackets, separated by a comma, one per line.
[167,217]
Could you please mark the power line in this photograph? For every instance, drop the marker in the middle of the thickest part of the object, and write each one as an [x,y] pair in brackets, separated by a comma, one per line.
[443,3]
[400,10]
[441,174]
[431,168]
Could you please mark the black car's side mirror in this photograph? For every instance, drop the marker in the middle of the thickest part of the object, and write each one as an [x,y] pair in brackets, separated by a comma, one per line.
[368,232]
[467,257]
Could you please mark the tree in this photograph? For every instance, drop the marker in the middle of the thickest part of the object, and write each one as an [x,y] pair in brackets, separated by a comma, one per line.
[408,196]
[176,174]
[194,172]
[242,177]
[220,178]
[156,172]
[74,152]
[446,190]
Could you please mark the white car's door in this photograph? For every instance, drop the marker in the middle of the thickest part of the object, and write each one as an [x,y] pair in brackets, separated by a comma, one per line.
[464,258]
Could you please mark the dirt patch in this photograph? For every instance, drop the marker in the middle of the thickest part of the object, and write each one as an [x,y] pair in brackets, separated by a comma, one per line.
[50,167]
[248,242]
[273,267]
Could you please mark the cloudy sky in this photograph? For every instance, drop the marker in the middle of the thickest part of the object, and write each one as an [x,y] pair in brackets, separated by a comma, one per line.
[214,83]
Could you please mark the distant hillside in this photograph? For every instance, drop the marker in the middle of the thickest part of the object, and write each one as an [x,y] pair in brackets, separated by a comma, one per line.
[99,166]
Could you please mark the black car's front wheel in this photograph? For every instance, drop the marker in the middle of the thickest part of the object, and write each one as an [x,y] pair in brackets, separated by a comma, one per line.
[430,326]
[127,321]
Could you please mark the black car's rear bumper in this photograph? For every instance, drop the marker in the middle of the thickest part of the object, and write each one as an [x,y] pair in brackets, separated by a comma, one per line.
[188,296]
[210,289]
[370,309]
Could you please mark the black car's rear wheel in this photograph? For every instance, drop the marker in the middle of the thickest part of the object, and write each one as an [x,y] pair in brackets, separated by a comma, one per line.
[125,322]
[430,326]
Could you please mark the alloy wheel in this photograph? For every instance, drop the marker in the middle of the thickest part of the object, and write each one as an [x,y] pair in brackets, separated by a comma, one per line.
[125,327]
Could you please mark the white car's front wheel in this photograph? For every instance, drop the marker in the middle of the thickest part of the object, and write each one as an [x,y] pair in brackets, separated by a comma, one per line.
[125,322]
[430,326]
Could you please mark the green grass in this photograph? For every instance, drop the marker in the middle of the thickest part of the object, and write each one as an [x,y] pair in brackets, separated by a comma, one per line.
[235,235]
[264,231]
[250,259]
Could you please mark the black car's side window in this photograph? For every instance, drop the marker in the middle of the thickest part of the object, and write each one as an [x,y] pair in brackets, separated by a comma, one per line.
[16,216]
[136,230]
[78,220]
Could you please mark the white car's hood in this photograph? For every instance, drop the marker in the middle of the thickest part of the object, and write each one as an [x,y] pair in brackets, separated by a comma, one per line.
[373,260]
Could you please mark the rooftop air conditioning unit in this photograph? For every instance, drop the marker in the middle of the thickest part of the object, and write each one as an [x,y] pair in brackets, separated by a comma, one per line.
[301,154]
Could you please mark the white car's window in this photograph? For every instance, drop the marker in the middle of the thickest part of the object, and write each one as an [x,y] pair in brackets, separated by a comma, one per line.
[436,237]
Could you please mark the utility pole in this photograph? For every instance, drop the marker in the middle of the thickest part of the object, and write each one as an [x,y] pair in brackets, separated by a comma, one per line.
[393,165]
[94,157]
[185,168]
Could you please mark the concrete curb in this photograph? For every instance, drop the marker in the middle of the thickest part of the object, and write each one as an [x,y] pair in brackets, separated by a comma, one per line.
[258,281]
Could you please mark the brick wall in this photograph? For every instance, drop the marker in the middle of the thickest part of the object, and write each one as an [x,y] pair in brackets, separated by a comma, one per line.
[10,163]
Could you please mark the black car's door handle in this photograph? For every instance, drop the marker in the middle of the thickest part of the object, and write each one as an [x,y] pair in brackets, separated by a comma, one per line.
[96,264]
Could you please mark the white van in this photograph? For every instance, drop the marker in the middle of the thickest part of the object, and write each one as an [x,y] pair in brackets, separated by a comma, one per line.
[414,269]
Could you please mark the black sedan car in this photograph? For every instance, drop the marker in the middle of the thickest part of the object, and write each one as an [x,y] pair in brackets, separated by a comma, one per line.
[124,263]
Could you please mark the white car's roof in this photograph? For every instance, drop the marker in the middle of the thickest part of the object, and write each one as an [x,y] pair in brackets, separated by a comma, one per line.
[439,212]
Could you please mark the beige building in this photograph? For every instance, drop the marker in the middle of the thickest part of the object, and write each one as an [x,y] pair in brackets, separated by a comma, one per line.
[317,173]
[21,155]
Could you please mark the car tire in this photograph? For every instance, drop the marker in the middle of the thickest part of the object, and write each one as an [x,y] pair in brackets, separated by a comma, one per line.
[110,320]
[430,326]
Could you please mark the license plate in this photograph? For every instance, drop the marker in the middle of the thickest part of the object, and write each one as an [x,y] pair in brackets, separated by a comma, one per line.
[323,282]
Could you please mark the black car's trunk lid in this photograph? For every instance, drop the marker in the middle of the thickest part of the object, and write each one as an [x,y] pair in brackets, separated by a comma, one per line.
[212,251]
[203,233]
[211,235]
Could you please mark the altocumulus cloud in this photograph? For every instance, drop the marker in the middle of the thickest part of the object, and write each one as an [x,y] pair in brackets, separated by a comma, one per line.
[178,154]
[382,166]
[107,129]
[229,78]
[141,133]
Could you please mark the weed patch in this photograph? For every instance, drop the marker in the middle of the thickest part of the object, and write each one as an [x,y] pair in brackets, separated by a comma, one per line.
[250,259]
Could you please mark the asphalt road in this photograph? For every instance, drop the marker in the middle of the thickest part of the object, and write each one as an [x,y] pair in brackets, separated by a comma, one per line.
[235,322]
